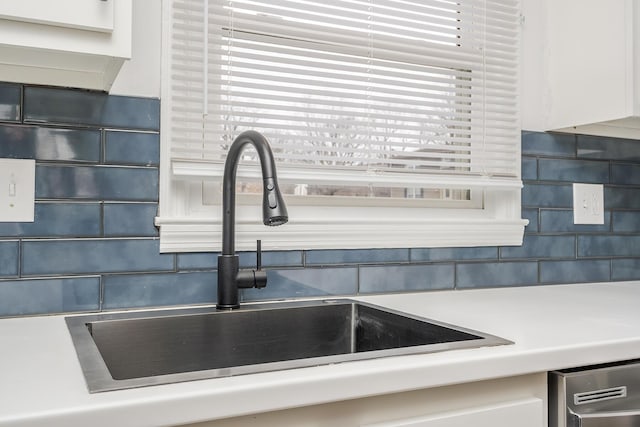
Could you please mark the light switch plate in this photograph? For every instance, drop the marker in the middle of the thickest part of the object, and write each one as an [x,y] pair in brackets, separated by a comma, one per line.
[17,190]
[588,204]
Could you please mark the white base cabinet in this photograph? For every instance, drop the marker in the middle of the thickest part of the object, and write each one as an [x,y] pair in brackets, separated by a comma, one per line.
[521,413]
[517,401]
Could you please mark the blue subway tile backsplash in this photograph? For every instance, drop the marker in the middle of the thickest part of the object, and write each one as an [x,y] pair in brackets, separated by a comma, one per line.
[547,196]
[93,245]
[589,171]
[541,246]
[197,261]
[610,245]
[625,173]
[272,259]
[548,144]
[42,143]
[10,102]
[96,183]
[603,148]
[406,278]
[561,221]
[529,168]
[144,290]
[129,219]
[355,256]
[625,269]
[42,296]
[306,282]
[9,258]
[575,271]
[65,219]
[453,254]
[133,148]
[85,108]
[491,274]
[622,198]
[626,222]
[83,256]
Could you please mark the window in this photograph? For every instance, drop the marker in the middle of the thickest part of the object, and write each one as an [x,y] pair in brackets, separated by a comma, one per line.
[394,123]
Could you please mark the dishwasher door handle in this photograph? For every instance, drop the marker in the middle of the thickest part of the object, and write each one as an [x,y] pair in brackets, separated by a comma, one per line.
[629,418]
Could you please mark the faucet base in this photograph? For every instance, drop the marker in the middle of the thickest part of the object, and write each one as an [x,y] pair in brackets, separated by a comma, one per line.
[228,266]
[227,307]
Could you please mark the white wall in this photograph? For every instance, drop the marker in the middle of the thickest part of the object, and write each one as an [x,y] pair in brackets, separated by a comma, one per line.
[140,76]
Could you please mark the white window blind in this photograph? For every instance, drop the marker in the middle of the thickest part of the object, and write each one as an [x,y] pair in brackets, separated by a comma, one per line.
[384,92]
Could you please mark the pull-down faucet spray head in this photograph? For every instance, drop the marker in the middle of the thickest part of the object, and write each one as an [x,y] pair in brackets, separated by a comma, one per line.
[274,211]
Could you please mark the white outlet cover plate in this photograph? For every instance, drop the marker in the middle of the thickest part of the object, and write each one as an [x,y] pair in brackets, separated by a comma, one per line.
[17,190]
[588,204]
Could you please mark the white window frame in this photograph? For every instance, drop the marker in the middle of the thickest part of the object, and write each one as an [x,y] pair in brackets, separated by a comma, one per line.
[190,214]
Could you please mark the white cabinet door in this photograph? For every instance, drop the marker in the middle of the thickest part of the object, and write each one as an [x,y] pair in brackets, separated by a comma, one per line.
[92,15]
[505,402]
[76,43]
[521,413]
[580,66]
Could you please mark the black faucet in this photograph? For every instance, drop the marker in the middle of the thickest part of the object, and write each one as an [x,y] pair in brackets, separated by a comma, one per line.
[274,212]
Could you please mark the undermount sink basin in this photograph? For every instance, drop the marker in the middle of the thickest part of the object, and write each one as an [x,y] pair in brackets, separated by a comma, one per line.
[135,349]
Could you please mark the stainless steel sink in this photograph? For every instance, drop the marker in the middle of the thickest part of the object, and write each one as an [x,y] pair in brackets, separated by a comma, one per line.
[135,349]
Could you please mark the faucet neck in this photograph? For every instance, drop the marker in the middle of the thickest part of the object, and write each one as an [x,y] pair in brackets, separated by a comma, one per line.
[229,181]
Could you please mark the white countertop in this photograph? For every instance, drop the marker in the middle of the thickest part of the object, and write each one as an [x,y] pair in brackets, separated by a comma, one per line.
[553,327]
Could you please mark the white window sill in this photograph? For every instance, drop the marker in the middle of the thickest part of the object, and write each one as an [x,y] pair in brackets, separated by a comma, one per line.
[331,229]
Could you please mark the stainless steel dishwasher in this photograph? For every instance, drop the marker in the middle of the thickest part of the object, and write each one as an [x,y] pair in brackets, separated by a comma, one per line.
[597,396]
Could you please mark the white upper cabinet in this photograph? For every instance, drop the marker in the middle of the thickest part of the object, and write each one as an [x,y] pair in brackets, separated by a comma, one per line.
[79,43]
[581,69]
